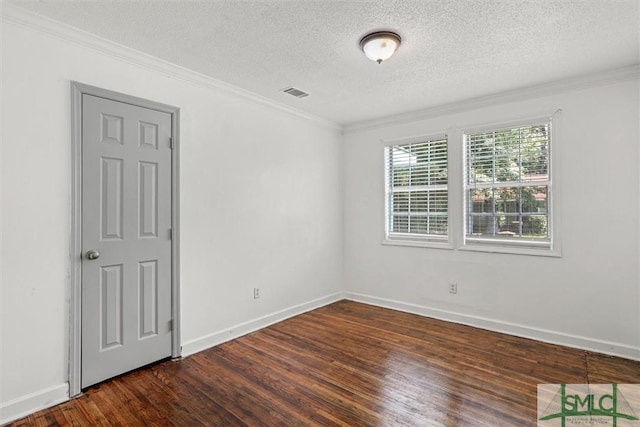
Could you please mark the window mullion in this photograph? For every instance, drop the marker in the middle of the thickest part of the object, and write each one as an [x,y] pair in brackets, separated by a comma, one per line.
[409,198]
[428,193]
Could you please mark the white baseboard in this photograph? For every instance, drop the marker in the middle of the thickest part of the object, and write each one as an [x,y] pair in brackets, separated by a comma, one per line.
[553,337]
[211,340]
[25,405]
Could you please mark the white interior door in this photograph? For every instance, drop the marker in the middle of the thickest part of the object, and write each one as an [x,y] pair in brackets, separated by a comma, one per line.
[126,238]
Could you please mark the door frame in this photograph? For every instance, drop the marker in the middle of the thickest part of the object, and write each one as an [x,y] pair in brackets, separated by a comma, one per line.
[75,297]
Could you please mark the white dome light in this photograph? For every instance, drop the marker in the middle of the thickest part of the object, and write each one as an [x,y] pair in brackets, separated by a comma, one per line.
[380,46]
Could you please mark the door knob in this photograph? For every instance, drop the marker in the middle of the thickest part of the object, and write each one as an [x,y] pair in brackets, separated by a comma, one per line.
[93,254]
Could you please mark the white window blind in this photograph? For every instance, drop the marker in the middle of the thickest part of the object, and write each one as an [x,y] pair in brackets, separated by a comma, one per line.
[508,186]
[417,195]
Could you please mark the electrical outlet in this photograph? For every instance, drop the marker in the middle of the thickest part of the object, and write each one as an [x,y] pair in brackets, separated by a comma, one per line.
[256,293]
[453,287]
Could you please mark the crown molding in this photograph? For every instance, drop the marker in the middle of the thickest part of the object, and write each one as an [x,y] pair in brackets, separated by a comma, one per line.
[13,14]
[545,89]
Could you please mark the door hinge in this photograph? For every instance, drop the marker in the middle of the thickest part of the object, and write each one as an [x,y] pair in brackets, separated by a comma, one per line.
[171,143]
[171,234]
[170,325]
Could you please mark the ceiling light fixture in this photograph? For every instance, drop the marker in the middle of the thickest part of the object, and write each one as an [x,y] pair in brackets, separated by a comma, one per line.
[379,46]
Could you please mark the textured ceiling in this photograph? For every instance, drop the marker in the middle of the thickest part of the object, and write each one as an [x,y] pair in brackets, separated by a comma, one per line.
[451,50]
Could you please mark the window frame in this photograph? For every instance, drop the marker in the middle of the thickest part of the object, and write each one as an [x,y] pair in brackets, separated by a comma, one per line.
[409,239]
[522,247]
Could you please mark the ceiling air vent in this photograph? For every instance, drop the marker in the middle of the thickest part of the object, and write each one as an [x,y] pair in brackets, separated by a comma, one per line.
[295,92]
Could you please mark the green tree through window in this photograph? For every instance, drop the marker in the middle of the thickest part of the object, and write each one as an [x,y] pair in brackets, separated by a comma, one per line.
[507,184]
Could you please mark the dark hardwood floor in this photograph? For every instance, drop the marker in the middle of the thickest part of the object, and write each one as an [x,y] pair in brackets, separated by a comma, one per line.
[345,364]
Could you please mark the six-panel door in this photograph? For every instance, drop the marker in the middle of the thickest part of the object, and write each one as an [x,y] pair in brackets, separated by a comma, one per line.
[126,219]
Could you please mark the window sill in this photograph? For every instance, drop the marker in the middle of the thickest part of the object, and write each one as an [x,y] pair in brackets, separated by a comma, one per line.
[512,250]
[445,244]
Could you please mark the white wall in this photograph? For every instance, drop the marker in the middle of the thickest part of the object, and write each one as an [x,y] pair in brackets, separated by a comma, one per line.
[589,297]
[260,206]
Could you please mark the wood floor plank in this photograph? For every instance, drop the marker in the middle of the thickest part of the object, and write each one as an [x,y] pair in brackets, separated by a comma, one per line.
[345,364]
[607,369]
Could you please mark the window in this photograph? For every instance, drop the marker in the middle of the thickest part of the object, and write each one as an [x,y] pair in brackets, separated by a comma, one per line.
[417,193]
[508,186]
